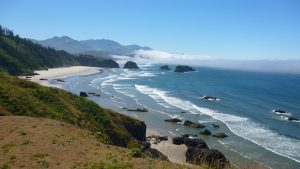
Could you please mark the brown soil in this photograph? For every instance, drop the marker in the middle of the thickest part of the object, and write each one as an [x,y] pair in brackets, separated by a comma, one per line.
[27,142]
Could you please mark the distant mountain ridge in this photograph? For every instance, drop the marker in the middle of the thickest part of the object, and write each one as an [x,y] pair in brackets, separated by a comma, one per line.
[97,47]
[20,56]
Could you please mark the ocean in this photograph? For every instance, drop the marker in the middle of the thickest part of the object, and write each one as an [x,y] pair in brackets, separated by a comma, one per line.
[244,108]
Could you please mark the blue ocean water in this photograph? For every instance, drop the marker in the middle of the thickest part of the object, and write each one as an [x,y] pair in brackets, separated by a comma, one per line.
[244,109]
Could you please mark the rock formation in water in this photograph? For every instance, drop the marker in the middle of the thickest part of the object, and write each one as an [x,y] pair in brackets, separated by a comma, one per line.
[130,65]
[182,68]
[165,67]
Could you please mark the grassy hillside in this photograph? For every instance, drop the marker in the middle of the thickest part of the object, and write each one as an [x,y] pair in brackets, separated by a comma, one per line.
[20,56]
[36,143]
[21,97]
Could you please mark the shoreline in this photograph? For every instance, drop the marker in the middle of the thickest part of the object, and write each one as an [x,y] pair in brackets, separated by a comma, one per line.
[175,153]
[59,73]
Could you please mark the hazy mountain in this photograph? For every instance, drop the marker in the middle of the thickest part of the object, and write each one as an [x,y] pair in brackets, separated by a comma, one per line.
[92,46]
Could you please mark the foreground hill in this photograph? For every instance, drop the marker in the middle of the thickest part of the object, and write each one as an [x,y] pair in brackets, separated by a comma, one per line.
[91,46]
[20,97]
[20,56]
[27,142]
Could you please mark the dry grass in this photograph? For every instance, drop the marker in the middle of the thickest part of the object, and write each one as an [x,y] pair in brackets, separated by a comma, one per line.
[27,142]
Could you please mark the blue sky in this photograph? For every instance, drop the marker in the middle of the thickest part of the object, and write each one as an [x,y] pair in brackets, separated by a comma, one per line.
[230,29]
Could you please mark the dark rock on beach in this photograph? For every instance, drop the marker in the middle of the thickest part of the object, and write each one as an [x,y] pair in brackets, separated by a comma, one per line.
[178,140]
[130,65]
[91,93]
[182,68]
[98,95]
[205,132]
[220,135]
[138,110]
[156,139]
[174,120]
[215,125]
[156,154]
[193,124]
[198,153]
[212,158]
[60,80]
[199,143]
[43,79]
[83,94]
[165,67]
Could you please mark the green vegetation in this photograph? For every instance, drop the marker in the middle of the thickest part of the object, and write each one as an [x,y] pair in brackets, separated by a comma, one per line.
[135,152]
[40,155]
[21,97]
[20,56]
[4,166]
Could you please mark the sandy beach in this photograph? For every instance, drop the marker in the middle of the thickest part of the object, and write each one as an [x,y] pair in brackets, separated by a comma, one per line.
[62,72]
[175,153]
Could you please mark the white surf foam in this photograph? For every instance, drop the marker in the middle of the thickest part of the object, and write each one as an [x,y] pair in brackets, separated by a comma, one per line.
[147,75]
[241,126]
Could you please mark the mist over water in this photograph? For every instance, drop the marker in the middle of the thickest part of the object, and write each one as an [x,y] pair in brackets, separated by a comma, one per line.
[263,65]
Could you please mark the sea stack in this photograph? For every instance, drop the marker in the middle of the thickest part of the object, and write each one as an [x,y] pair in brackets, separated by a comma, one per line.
[130,65]
[182,68]
[165,67]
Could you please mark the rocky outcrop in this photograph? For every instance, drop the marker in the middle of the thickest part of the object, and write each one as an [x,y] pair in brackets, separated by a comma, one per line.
[138,110]
[193,124]
[156,139]
[279,111]
[205,132]
[130,65]
[182,68]
[137,131]
[199,143]
[211,98]
[293,119]
[60,80]
[220,135]
[173,120]
[146,148]
[212,158]
[215,125]
[178,140]
[189,142]
[165,67]
[156,154]
[198,153]
[83,94]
